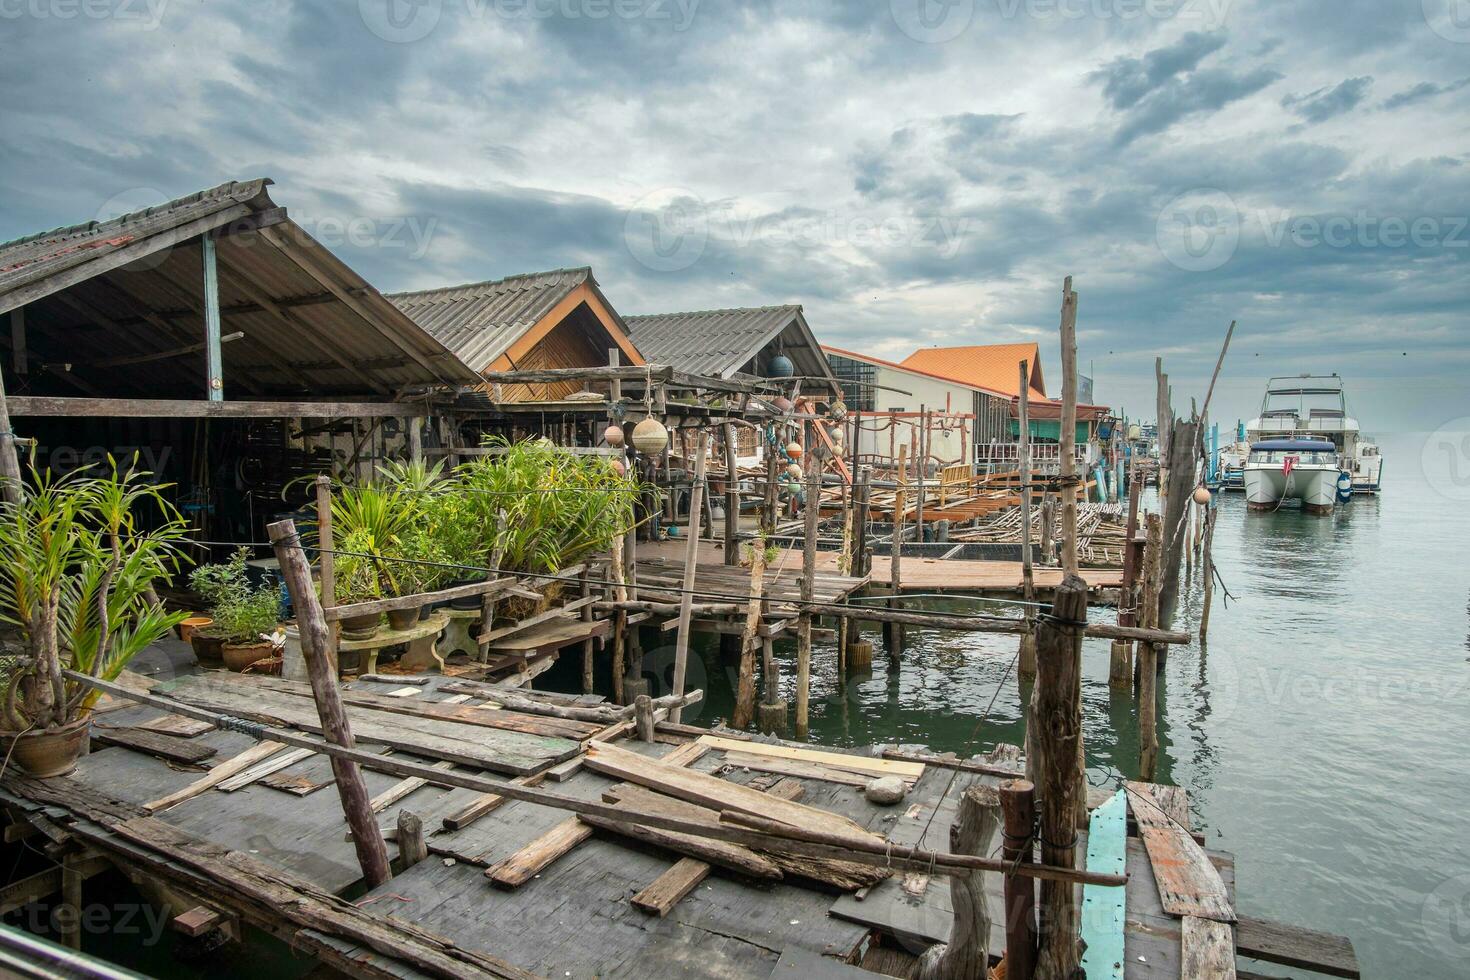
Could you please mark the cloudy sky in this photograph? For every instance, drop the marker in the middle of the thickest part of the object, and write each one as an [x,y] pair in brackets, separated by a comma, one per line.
[915,172]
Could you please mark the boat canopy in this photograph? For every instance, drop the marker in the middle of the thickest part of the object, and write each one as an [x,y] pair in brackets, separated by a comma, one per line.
[1294,446]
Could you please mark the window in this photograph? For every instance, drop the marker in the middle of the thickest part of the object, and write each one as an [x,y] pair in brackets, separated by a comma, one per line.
[857,379]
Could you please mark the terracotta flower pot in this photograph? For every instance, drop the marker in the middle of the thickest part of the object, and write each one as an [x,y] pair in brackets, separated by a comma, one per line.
[402,619]
[192,625]
[361,627]
[208,650]
[48,753]
[238,656]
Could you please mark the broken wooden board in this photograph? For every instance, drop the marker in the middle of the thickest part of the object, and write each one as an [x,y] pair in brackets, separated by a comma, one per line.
[907,771]
[711,791]
[263,768]
[1207,950]
[798,769]
[1294,946]
[1188,883]
[176,725]
[526,863]
[166,747]
[1103,913]
[660,897]
[734,857]
[1173,800]
[217,775]
[514,753]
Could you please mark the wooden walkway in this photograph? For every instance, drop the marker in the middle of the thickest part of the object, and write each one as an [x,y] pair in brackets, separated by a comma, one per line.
[564,900]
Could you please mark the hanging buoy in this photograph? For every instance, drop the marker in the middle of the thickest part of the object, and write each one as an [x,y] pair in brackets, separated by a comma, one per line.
[650,436]
[782,404]
[619,468]
[838,409]
[613,436]
[837,435]
[781,367]
[794,450]
[1202,495]
[794,471]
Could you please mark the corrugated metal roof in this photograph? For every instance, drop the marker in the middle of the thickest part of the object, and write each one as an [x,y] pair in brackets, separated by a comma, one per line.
[480,321]
[720,343]
[104,291]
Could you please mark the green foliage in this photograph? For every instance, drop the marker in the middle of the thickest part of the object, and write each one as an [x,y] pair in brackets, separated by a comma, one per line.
[241,612]
[76,576]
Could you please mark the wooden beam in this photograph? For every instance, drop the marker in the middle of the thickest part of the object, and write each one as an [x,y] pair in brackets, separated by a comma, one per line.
[144,408]
[214,381]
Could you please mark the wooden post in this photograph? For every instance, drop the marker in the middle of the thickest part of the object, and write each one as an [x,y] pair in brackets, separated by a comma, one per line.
[315,642]
[411,845]
[1055,739]
[643,717]
[215,382]
[732,498]
[1018,804]
[19,360]
[620,620]
[1048,529]
[1069,428]
[771,715]
[70,921]
[10,479]
[893,633]
[967,954]
[862,556]
[808,593]
[1207,568]
[745,685]
[487,604]
[921,462]
[1120,665]
[327,563]
[588,663]
[1026,660]
[416,440]
[1148,739]
[1180,489]
[691,561]
[768,505]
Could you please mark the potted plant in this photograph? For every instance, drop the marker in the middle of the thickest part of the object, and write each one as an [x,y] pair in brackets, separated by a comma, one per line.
[425,567]
[357,581]
[77,579]
[245,615]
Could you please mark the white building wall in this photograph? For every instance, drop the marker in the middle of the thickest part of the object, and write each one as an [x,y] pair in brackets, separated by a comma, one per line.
[930,393]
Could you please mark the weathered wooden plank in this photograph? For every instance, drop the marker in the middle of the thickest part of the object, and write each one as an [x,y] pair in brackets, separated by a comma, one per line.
[801,770]
[176,725]
[1188,882]
[1307,949]
[402,788]
[660,897]
[1173,800]
[526,863]
[1207,950]
[163,746]
[1103,907]
[264,768]
[907,771]
[217,775]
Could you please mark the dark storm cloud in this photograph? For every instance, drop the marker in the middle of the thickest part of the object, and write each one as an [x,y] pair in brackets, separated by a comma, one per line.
[1325,103]
[1422,93]
[1205,91]
[1126,81]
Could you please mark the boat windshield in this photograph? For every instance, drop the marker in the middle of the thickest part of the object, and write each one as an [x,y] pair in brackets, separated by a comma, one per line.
[1308,459]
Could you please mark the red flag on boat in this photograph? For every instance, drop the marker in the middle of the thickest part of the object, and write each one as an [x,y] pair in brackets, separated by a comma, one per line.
[1288,464]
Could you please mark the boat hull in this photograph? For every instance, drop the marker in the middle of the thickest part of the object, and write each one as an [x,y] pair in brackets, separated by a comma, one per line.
[1268,487]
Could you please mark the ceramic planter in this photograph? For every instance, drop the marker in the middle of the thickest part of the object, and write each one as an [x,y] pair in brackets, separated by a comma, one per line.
[49,753]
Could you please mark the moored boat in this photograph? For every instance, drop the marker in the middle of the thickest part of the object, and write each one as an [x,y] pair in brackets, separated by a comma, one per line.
[1302,470]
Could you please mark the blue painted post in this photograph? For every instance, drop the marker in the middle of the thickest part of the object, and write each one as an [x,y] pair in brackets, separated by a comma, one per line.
[1103,906]
[216,378]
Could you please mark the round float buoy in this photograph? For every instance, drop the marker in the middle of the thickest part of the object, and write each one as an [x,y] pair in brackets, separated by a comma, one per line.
[838,409]
[794,450]
[613,436]
[619,468]
[794,471]
[781,367]
[1202,495]
[650,436]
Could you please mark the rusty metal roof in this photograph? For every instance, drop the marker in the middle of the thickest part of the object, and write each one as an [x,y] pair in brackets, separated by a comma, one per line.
[105,304]
[479,321]
[723,343]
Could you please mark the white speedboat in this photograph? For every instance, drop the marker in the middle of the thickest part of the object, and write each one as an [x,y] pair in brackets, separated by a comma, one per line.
[1312,407]
[1301,470]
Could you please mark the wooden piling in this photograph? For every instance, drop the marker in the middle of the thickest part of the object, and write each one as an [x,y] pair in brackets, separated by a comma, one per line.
[691,561]
[1207,568]
[967,954]
[893,633]
[1148,740]
[1018,806]
[327,562]
[1055,738]
[1069,428]
[732,497]
[1026,658]
[1120,665]
[808,593]
[1181,486]
[588,665]
[11,484]
[315,642]
[745,684]
[411,845]
[487,603]
[643,721]
[1048,529]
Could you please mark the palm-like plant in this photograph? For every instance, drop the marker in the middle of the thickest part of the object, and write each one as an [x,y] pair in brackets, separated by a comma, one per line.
[76,576]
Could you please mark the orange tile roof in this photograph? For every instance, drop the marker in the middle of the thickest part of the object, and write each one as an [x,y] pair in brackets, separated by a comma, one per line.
[992,366]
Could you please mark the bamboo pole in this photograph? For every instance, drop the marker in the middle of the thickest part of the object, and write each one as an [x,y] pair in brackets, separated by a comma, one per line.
[315,643]
[808,592]
[691,561]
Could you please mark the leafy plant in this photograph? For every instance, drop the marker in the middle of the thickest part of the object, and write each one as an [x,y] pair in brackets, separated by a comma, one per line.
[76,576]
[240,610]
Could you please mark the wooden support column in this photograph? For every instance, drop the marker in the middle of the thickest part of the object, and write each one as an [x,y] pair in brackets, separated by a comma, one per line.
[411,845]
[1048,529]
[416,440]
[620,620]
[1069,428]
[745,685]
[893,633]
[315,642]
[11,484]
[1180,489]
[1026,660]
[921,464]
[862,560]
[643,717]
[215,381]
[1120,664]
[588,664]
[70,920]
[1148,671]
[327,565]
[732,496]
[1207,568]
[1018,805]
[1055,737]
[808,593]
[487,604]
[691,562]
[967,954]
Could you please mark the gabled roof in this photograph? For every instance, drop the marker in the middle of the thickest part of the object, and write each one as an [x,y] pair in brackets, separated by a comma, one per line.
[118,305]
[482,321]
[992,366]
[908,369]
[720,343]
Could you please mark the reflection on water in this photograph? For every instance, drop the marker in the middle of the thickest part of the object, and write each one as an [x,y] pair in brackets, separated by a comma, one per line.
[1321,735]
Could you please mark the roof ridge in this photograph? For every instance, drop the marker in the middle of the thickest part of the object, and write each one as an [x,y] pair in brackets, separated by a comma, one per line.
[734,309]
[584,269]
[230,188]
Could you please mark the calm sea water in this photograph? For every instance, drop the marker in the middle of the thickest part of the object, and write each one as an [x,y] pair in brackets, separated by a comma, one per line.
[1321,733]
